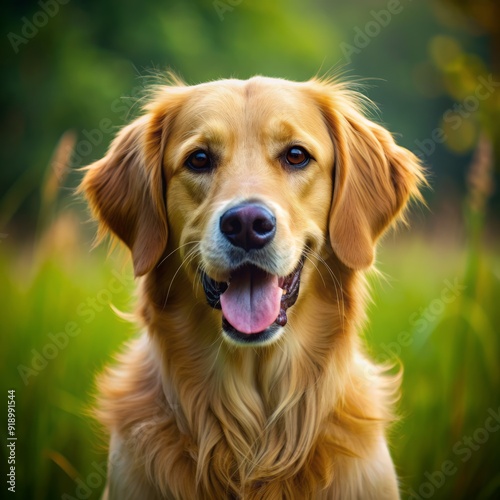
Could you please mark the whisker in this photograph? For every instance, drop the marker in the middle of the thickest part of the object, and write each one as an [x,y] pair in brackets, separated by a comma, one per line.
[316,267]
[221,341]
[198,272]
[191,255]
[336,283]
[175,250]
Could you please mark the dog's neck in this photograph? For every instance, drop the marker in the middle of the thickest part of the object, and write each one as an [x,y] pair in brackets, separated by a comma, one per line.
[237,403]
[266,422]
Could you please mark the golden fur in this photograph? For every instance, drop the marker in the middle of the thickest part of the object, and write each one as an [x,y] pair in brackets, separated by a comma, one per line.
[191,415]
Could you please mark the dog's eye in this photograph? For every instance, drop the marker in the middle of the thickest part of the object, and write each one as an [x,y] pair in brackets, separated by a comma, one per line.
[297,157]
[199,161]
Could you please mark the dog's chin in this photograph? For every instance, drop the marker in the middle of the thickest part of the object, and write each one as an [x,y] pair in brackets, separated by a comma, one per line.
[253,302]
[265,337]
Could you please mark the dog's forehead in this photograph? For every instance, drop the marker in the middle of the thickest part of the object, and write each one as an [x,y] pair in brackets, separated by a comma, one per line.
[271,105]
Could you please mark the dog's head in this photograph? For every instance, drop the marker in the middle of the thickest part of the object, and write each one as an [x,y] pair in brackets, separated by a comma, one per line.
[248,182]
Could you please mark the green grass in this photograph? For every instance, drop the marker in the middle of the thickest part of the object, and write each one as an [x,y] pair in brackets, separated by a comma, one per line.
[450,359]
[56,441]
[442,323]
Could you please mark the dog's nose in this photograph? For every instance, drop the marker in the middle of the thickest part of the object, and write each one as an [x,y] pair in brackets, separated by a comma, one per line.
[249,226]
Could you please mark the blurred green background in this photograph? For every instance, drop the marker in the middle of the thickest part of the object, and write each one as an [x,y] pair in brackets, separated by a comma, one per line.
[72,72]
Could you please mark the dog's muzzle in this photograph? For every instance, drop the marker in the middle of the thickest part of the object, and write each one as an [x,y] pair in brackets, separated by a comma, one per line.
[253,301]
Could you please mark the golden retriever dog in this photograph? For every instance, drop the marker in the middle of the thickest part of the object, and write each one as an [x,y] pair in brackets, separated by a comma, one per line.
[251,209]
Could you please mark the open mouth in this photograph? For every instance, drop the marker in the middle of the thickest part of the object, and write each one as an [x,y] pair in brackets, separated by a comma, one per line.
[254,303]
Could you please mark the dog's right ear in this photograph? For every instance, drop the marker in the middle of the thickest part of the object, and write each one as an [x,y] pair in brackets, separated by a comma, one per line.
[126,189]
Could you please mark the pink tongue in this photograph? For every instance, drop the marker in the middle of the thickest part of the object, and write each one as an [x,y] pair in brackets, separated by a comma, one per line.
[252,301]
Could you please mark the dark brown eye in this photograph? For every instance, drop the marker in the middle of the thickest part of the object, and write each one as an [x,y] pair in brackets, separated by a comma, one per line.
[199,161]
[297,157]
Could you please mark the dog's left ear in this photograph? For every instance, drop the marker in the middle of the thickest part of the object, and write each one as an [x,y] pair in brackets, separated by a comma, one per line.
[373,178]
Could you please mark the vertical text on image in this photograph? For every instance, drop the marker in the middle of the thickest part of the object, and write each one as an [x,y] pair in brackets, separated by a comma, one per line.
[11,440]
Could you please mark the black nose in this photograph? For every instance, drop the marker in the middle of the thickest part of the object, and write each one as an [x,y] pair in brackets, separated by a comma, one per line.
[249,226]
